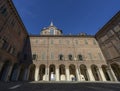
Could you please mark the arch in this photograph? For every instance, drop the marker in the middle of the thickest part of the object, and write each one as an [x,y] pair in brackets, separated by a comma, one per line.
[95,72]
[72,71]
[83,70]
[32,72]
[52,72]
[14,72]
[104,68]
[21,72]
[116,70]
[62,76]
[42,72]
[5,70]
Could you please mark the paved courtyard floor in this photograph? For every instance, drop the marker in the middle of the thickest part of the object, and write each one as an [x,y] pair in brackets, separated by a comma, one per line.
[59,86]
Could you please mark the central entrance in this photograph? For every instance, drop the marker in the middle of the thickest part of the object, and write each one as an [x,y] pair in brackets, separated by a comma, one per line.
[62,72]
[42,72]
[52,76]
[72,72]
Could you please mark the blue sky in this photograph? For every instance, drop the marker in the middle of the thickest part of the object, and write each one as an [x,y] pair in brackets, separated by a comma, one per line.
[71,16]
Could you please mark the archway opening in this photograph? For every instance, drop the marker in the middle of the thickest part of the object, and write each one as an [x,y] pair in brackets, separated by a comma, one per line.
[32,72]
[72,72]
[52,73]
[14,73]
[84,72]
[4,70]
[62,72]
[21,73]
[95,72]
[104,68]
[116,69]
[42,72]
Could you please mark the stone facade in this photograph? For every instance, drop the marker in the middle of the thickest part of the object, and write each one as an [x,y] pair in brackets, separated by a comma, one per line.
[109,40]
[53,56]
[68,57]
[12,36]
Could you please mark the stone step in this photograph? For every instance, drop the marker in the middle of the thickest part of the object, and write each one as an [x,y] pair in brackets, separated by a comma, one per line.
[59,86]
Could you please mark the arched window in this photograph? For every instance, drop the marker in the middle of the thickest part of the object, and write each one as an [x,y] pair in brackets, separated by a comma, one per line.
[70,57]
[80,58]
[51,32]
[61,57]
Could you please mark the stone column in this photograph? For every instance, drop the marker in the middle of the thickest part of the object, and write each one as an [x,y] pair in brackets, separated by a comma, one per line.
[57,74]
[78,74]
[110,75]
[67,74]
[102,74]
[37,73]
[26,75]
[8,74]
[91,77]
[47,74]
[18,73]
[113,74]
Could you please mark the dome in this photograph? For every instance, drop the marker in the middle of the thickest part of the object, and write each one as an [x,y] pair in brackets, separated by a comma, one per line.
[51,30]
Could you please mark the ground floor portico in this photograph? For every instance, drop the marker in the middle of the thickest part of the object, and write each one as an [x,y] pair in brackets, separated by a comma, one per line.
[61,72]
[71,72]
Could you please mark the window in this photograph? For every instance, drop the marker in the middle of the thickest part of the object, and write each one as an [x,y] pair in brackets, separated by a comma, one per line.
[70,57]
[52,56]
[94,42]
[44,41]
[67,41]
[117,28]
[13,50]
[61,57]
[3,10]
[43,56]
[59,41]
[76,42]
[58,32]
[105,37]
[90,55]
[100,56]
[5,44]
[51,32]
[110,33]
[80,58]
[86,42]
[13,22]
[34,56]
[51,41]
[107,54]
[36,41]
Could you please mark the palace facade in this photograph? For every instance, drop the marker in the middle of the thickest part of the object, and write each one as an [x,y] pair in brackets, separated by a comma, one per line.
[53,56]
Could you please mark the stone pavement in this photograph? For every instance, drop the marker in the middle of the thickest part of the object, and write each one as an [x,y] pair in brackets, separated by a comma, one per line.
[59,86]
